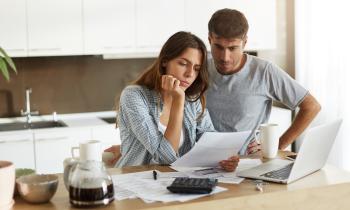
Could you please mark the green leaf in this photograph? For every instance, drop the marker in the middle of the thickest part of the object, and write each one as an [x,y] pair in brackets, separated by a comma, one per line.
[4,70]
[8,60]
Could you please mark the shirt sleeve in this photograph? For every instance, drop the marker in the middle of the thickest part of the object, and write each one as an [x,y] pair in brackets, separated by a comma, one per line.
[135,114]
[204,123]
[281,87]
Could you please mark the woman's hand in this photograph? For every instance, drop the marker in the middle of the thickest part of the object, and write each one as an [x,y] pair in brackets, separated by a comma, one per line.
[172,86]
[230,164]
[115,149]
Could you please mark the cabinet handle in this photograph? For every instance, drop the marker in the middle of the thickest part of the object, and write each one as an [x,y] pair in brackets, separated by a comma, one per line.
[51,139]
[44,49]
[14,141]
[116,47]
[15,50]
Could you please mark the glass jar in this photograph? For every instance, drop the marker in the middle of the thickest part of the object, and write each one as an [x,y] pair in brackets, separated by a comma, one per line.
[90,185]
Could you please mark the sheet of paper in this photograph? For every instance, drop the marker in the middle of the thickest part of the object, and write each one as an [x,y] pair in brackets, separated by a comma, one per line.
[218,173]
[213,147]
[141,185]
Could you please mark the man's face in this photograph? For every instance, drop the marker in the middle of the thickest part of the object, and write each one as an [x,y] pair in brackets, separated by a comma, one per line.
[227,53]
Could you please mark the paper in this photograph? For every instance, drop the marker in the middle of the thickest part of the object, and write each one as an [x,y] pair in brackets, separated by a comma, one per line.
[218,173]
[213,147]
[142,185]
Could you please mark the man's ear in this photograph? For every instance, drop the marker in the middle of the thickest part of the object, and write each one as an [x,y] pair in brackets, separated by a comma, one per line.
[209,38]
[245,41]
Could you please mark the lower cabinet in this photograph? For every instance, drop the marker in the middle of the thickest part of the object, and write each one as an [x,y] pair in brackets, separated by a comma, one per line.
[107,134]
[52,147]
[18,148]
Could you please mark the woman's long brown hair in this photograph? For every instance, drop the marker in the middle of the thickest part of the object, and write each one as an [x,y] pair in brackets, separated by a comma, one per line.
[173,48]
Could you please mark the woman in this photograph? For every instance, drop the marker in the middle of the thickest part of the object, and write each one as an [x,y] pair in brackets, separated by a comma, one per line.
[162,115]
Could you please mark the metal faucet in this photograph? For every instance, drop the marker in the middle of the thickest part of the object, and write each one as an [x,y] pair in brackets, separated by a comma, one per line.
[27,112]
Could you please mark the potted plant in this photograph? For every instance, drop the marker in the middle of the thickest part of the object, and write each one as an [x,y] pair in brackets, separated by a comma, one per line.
[5,61]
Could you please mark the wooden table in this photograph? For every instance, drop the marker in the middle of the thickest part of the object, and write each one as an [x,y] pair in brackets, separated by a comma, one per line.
[326,189]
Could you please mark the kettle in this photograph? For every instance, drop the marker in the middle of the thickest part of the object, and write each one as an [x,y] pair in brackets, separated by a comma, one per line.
[90,185]
[86,178]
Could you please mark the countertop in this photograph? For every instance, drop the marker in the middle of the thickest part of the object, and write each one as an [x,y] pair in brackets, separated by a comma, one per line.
[326,189]
[72,120]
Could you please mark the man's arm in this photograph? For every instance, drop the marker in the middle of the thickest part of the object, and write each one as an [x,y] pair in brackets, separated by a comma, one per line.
[309,108]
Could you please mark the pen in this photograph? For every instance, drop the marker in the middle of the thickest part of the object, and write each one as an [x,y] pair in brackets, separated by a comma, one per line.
[154,175]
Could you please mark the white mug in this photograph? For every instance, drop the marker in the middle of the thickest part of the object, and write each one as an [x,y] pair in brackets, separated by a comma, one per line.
[88,150]
[268,136]
[7,184]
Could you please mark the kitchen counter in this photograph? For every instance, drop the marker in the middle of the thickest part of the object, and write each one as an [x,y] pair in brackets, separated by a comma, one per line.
[326,189]
[71,120]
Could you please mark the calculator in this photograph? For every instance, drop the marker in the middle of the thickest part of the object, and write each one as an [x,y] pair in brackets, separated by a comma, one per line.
[192,185]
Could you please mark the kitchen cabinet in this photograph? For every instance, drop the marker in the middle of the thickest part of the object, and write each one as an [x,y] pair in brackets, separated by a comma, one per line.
[107,134]
[133,28]
[13,27]
[156,21]
[52,146]
[109,26]
[18,148]
[54,27]
[261,17]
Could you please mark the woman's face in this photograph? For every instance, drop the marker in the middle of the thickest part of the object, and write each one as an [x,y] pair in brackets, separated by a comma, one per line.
[185,67]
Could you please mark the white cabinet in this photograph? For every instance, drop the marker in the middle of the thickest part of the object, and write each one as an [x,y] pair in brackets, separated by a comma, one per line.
[261,17]
[13,27]
[54,145]
[107,134]
[109,26]
[132,28]
[54,27]
[156,21]
[18,148]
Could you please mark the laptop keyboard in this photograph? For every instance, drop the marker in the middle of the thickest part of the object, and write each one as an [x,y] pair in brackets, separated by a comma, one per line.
[280,174]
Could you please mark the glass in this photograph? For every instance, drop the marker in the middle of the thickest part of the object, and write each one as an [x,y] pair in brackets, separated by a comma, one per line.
[90,185]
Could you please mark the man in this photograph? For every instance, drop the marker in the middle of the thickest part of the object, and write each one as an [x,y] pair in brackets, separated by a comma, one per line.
[243,86]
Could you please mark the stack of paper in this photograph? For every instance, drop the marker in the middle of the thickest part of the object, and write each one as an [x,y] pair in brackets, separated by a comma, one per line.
[218,173]
[142,185]
[213,147]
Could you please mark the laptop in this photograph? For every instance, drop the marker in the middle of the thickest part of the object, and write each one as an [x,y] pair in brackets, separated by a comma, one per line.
[312,156]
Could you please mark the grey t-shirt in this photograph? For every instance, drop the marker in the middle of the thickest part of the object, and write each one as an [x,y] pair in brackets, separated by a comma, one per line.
[243,100]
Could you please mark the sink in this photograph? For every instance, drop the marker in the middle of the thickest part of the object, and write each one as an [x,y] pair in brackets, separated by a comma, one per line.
[110,120]
[33,125]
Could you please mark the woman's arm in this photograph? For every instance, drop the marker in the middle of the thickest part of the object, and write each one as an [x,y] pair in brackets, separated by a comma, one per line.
[134,114]
[176,95]
[204,124]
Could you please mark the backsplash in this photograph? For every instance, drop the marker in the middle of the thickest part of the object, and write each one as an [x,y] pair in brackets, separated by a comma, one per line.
[68,84]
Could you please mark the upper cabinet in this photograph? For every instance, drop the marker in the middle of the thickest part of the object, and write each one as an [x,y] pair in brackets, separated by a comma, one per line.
[54,27]
[123,28]
[156,21]
[261,17]
[109,26]
[13,27]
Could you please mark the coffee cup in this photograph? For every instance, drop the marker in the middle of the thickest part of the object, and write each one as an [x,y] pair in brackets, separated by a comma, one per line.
[268,136]
[88,150]
[7,184]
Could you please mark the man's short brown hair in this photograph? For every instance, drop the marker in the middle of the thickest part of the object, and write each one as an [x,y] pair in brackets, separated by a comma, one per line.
[228,23]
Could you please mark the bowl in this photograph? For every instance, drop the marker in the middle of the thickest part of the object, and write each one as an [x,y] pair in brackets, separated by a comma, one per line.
[37,188]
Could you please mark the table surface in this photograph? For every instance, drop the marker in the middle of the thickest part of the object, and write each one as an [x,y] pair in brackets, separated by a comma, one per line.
[328,178]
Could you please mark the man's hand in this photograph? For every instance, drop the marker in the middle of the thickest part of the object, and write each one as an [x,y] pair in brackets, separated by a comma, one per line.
[253,147]
[115,149]
[230,164]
